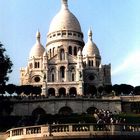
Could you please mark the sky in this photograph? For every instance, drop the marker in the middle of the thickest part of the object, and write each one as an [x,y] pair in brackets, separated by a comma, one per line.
[115,25]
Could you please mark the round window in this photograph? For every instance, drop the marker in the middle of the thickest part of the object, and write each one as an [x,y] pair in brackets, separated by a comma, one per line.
[37,79]
[91,77]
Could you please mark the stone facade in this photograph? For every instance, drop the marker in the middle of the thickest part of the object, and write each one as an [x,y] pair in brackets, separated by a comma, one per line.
[67,66]
[54,105]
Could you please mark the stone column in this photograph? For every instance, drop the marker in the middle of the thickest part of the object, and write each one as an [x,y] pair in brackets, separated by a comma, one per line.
[67,91]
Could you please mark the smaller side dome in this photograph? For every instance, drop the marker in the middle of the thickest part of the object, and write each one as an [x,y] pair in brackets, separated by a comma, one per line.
[90,47]
[37,50]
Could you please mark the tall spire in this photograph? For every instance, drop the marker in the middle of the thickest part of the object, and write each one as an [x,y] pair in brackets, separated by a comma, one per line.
[64,4]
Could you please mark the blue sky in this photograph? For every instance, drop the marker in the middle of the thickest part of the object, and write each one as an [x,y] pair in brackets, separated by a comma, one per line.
[115,25]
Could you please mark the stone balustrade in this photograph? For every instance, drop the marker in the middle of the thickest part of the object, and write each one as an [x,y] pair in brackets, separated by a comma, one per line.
[66,130]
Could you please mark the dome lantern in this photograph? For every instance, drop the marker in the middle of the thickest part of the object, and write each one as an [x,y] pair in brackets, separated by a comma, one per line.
[64,4]
[38,36]
[90,34]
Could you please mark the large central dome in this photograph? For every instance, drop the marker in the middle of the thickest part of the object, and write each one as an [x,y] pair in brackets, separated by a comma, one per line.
[64,20]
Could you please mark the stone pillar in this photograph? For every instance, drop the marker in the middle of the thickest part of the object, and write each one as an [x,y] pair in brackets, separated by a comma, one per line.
[67,91]
[57,92]
[80,89]
[44,89]
[70,128]
[57,75]
[24,131]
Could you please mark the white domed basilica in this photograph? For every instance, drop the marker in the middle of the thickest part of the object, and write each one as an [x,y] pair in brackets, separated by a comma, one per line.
[67,65]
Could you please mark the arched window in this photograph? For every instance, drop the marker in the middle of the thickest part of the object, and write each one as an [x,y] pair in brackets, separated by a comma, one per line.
[73,78]
[70,50]
[75,50]
[35,64]
[38,65]
[97,63]
[89,62]
[50,53]
[73,74]
[92,62]
[62,72]
[53,51]
[62,54]
[52,75]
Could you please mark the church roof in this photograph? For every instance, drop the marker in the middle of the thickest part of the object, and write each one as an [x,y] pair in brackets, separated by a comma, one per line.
[37,50]
[64,20]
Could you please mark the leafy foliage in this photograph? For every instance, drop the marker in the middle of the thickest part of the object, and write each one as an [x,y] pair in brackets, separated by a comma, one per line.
[10,88]
[5,65]
[137,90]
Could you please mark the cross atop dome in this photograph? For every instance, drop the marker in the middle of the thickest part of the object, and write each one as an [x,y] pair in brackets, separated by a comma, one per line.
[64,4]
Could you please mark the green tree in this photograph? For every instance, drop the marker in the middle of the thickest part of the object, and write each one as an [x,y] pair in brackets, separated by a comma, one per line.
[137,90]
[2,89]
[100,90]
[27,89]
[117,89]
[108,88]
[126,89]
[10,88]
[5,66]
[37,90]
[19,90]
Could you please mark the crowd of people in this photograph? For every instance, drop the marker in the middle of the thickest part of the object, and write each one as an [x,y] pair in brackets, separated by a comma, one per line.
[105,120]
[107,117]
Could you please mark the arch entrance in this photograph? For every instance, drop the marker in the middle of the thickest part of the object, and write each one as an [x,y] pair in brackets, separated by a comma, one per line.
[38,112]
[65,111]
[51,92]
[91,110]
[62,92]
[73,91]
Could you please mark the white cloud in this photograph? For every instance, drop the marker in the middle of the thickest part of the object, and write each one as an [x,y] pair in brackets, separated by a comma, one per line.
[129,69]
